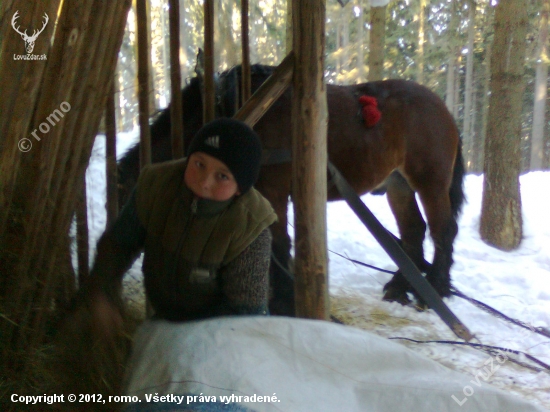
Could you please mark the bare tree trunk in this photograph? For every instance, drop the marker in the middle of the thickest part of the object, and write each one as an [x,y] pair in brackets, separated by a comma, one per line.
[486,89]
[246,89]
[209,96]
[541,92]
[183,38]
[377,43]
[361,44]
[451,65]
[468,92]
[421,41]
[166,37]
[456,93]
[476,135]
[144,18]
[143,64]
[289,28]
[339,28]
[223,34]
[176,111]
[346,13]
[450,87]
[501,220]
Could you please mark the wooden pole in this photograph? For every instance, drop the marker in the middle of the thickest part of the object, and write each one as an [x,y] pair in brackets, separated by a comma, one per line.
[245,72]
[79,62]
[267,93]
[176,110]
[143,97]
[209,103]
[110,152]
[309,159]
[143,83]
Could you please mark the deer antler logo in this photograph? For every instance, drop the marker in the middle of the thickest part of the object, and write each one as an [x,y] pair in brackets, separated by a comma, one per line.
[29,40]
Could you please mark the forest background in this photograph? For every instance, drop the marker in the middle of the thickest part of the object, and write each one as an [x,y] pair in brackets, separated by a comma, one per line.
[445,45]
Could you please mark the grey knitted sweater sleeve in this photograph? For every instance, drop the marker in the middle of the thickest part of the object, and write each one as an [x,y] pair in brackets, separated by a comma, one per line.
[245,280]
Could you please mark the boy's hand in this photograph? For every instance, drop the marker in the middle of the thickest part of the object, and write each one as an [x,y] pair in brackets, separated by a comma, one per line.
[106,319]
[93,317]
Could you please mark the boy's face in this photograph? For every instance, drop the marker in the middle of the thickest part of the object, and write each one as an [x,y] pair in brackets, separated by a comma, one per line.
[209,178]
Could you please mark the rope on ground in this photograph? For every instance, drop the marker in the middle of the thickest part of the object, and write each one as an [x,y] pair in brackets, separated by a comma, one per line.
[540,330]
[492,350]
[391,272]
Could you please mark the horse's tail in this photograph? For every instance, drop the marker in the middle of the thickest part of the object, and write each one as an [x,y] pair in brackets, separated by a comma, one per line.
[456,192]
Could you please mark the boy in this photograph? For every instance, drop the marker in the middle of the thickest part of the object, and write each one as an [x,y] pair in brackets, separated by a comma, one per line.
[204,230]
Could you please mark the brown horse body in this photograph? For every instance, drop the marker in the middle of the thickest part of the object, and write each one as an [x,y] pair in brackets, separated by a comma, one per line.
[415,147]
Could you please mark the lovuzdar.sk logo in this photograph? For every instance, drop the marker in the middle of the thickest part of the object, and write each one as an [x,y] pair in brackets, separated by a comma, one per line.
[29,40]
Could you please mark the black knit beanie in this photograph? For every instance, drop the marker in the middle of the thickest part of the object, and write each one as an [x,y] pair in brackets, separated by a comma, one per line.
[235,144]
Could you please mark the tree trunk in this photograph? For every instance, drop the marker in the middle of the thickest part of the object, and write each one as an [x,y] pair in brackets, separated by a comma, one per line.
[501,220]
[246,80]
[224,35]
[450,87]
[467,134]
[486,89]
[476,135]
[144,18]
[361,44]
[185,36]
[289,28]
[176,110]
[209,95]
[452,62]
[456,94]
[339,28]
[143,68]
[421,41]
[377,42]
[541,92]
[346,18]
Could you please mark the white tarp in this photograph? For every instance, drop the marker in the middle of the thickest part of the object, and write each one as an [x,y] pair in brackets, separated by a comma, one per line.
[307,365]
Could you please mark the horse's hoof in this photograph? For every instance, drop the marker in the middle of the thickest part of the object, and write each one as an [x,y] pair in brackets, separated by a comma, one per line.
[443,290]
[396,295]
[421,306]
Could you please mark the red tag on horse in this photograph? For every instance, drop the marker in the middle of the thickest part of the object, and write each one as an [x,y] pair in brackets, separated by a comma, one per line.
[370,111]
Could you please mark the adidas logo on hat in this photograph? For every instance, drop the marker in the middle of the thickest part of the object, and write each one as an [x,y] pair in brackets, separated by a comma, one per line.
[213,141]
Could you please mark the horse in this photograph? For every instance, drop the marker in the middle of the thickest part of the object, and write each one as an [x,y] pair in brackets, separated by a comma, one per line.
[414,148]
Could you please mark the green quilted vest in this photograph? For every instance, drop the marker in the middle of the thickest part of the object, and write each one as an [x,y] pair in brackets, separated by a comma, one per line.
[188,240]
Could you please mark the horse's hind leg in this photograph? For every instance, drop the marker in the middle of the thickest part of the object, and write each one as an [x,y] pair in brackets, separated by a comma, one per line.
[443,230]
[412,229]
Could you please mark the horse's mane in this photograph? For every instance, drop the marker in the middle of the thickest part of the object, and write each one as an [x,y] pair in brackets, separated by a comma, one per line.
[255,70]
[160,122]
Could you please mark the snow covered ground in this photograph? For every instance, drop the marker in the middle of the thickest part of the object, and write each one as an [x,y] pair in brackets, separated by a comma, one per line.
[516,283]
